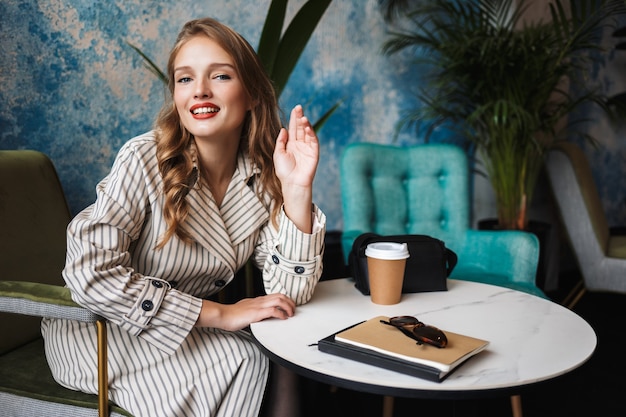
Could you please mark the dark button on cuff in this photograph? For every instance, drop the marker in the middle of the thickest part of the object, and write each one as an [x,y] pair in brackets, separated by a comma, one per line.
[299,269]
[220,283]
[275,259]
[157,284]
[147,305]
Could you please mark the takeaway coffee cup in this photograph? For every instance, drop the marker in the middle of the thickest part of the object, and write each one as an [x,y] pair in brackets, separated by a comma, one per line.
[385,264]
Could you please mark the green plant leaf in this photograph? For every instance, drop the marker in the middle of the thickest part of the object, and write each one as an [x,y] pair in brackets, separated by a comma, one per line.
[294,40]
[148,63]
[270,36]
[322,120]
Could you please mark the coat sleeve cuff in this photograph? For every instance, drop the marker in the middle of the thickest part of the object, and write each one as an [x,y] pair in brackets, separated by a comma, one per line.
[296,245]
[162,316]
[294,264]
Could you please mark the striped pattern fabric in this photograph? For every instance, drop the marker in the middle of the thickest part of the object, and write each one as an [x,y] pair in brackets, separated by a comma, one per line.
[159,363]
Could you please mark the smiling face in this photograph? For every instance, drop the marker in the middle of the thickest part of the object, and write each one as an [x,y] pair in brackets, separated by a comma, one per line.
[208,92]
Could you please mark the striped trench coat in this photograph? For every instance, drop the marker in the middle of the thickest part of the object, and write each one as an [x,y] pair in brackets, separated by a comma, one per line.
[159,363]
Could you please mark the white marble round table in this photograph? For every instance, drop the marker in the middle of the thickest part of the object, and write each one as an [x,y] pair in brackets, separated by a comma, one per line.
[531,339]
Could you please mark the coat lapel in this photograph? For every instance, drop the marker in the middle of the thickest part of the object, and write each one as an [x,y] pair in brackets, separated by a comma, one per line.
[241,214]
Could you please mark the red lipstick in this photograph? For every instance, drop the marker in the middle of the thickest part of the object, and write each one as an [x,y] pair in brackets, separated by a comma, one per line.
[204,110]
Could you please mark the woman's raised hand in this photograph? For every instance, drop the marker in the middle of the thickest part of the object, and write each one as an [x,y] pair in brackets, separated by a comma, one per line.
[297,151]
[295,160]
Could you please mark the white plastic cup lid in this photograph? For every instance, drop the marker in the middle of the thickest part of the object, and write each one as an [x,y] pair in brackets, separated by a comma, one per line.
[387,250]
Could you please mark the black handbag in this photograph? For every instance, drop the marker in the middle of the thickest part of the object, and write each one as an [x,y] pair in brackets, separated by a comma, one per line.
[427,268]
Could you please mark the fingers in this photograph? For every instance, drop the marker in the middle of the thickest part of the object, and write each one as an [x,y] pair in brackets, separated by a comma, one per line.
[281,140]
[280,306]
[284,304]
[299,126]
[294,122]
[279,313]
[266,306]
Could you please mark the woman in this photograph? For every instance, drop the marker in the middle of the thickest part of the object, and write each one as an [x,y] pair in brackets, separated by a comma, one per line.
[183,208]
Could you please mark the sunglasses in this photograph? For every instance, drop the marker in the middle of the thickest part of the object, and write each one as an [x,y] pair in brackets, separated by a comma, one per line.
[418,331]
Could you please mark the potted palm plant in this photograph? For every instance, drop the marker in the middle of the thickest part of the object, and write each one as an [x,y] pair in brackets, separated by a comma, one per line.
[505,82]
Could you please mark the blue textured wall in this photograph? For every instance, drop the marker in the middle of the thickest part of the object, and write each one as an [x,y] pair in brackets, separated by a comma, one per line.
[71,87]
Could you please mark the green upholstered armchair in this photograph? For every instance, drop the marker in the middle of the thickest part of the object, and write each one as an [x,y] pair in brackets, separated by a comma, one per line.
[600,254]
[424,189]
[33,220]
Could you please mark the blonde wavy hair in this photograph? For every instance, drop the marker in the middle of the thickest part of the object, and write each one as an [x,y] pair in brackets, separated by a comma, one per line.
[175,155]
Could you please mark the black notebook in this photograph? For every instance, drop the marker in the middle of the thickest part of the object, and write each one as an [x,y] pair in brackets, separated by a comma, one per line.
[384,346]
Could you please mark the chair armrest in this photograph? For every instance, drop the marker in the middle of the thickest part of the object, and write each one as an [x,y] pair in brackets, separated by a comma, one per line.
[41,300]
[509,253]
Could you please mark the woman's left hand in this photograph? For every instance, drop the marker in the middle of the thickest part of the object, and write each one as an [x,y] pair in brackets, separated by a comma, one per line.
[295,161]
[297,152]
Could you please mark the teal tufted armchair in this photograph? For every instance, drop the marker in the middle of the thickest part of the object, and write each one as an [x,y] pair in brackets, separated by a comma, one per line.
[424,189]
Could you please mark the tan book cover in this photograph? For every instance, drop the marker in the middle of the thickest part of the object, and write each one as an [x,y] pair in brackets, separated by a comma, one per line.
[382,338]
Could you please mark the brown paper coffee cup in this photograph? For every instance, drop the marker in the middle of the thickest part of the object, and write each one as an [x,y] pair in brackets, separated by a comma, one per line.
[386,262]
